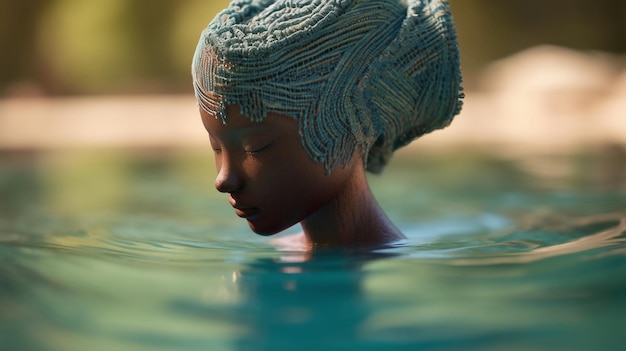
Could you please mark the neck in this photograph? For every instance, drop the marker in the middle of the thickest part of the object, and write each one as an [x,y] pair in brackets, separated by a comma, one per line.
[351,218]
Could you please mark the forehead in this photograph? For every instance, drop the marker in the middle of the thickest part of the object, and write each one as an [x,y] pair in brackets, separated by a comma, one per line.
[237,124]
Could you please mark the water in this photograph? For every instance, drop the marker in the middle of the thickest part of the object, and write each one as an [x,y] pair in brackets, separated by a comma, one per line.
[122,251]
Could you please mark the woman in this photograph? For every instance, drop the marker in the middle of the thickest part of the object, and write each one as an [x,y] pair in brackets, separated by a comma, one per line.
[300,98]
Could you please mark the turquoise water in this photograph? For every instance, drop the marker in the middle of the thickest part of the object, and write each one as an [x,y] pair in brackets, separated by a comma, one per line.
[106,250]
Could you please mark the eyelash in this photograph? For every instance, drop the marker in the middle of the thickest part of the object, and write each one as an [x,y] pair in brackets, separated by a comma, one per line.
[254,152]
[259,150]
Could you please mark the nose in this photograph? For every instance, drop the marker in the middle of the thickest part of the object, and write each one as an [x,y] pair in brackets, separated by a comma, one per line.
[228,179]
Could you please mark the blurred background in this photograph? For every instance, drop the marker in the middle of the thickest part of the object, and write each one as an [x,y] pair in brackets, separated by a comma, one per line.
[116,72]
[67,47]
[100,78]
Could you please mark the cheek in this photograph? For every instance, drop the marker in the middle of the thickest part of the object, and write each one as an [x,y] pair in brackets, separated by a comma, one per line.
[303,189]
[286,200]
[288,181]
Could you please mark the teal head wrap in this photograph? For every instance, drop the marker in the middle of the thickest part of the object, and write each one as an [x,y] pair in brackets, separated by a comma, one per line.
[373,74]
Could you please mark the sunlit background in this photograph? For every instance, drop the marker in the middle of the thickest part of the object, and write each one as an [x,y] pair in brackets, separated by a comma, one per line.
[116,72]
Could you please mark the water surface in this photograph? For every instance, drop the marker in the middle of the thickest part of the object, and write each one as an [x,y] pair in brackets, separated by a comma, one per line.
[135,251]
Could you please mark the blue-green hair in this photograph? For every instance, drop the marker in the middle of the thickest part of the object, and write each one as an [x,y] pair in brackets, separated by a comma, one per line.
[368,74]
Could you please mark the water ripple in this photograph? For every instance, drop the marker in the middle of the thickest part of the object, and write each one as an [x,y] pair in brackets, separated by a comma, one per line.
[601,232]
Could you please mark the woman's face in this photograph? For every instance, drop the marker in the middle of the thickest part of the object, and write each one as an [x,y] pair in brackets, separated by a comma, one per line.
[268,176]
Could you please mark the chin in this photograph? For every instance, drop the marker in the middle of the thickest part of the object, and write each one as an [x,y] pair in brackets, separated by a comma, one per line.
[266,230]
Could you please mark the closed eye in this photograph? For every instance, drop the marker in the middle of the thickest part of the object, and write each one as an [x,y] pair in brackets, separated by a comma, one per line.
[258,150]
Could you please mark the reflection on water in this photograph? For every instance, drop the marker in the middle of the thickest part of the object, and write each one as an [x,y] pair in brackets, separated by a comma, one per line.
[103,251]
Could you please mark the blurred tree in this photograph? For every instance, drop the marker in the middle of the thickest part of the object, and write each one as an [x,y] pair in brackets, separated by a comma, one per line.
[87,46]
[18,39]
[101,46]
[148,30]
[121,46]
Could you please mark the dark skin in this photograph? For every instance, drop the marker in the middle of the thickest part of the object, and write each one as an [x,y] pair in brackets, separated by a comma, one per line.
[273,183]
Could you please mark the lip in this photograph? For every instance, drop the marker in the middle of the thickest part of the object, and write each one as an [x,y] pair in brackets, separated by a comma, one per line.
[246,212]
